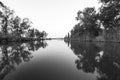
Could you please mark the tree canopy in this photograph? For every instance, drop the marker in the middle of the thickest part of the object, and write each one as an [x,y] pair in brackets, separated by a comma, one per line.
[93,22]
[13,26]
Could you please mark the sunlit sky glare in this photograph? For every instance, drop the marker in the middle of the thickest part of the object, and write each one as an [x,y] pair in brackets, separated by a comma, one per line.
[56,17]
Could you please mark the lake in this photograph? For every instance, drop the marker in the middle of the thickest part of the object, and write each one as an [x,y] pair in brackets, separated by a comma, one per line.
[60,60]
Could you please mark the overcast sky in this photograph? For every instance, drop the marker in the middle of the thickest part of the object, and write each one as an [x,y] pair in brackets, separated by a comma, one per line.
[56,17]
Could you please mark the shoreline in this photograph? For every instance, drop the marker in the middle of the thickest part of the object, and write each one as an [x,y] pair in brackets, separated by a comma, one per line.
[22,39]
[90,40]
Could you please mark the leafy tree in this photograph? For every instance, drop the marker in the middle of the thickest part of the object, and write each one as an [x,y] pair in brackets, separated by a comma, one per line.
[88,19]
[37,33]
[6,16]
[77,30]
[20,26]
[109,14]
[31,33]
[88,22]
[13,26]
[43,34]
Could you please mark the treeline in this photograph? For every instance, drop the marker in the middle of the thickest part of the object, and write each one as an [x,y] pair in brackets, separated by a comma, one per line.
[101,24]
[13,27]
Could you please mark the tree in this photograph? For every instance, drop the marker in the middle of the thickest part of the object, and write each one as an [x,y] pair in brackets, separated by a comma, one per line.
[20,26]
[11,24]
[6,16]
[37,33]
[43,34]
[109,14]
[88,21]
[31,33]
[77,30]
[14,26]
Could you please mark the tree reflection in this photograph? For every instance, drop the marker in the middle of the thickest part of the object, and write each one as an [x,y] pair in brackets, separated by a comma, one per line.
[12,54]
[103,58]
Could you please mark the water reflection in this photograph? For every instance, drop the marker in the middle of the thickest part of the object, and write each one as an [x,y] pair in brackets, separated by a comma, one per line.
[100,58]
[12,54]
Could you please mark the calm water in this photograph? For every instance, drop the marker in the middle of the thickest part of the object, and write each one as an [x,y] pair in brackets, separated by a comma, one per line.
[59,60]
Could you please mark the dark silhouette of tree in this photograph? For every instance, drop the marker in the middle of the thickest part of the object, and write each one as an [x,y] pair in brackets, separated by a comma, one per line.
[20,26]
[88,20]
[88,23]
[109,13]
[37,33]
[6,16]
[43,34]
[13,26]
[106,20]
[78,30]
[31,33]
[2,5]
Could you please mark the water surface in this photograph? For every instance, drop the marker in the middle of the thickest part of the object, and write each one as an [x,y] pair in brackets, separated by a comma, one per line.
[59,60]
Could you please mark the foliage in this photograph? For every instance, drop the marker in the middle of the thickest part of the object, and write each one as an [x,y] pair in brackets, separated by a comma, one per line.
[5,18]
[13,26]
[95,22]
[88,22]
[30,33]
[109,13]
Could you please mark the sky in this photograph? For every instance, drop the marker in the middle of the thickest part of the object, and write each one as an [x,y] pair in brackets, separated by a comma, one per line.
[56,17]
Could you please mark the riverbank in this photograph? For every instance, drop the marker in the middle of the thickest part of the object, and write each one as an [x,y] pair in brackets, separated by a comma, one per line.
[11,39]
[97,39]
